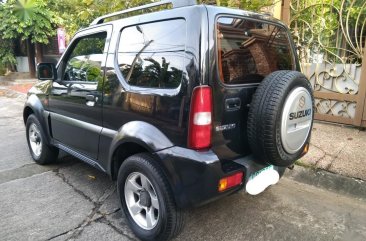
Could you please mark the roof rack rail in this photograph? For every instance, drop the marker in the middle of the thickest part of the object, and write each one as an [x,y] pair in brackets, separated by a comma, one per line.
[175,3]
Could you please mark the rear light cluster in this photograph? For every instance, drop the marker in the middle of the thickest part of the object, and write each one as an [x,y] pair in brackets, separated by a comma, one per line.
[230,181]
[199,130]
[200,119]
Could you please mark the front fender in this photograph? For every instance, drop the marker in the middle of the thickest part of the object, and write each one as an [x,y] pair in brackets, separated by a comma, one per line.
[36,106]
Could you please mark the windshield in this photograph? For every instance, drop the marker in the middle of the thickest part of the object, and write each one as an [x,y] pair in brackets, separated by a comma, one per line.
[249,50]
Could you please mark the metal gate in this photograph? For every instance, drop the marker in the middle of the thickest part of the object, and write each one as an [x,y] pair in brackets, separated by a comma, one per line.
[330,36]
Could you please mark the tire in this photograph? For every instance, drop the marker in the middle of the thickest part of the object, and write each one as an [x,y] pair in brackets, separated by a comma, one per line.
[280,118]
[168,219]
[36,139]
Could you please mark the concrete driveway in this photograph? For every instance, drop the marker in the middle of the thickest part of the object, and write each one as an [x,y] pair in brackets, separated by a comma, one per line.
[72,201]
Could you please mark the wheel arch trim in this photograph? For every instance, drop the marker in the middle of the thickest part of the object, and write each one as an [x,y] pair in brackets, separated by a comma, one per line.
[34,104]
[140,133]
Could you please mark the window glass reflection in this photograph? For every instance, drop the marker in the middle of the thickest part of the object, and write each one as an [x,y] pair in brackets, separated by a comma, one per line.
[152,55]
[84,62]
[250,50]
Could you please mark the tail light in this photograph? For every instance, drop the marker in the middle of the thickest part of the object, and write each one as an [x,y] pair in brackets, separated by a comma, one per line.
[200,119]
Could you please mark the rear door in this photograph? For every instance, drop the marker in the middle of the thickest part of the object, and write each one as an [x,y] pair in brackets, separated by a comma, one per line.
[76,97]
[245,52]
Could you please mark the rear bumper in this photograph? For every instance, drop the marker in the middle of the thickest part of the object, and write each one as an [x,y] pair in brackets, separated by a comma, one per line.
[194,176]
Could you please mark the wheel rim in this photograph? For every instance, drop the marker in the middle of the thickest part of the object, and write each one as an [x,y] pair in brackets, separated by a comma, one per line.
[141,200]
[35,140]
[296,120]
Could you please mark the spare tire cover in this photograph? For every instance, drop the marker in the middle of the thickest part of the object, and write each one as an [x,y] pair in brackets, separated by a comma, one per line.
[281,117]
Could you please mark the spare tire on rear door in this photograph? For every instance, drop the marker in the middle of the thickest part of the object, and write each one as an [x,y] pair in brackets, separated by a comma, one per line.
[281,117]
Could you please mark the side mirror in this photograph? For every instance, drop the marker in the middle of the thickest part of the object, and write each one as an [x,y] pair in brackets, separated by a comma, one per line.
[46,71]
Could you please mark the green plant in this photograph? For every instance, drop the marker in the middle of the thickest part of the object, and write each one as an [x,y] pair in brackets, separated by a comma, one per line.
[334,29]
[30,20]
[7,58]
[2,70]
[76,14]
[251,5]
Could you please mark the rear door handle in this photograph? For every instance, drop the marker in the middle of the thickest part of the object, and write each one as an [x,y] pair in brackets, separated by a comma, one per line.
[232,104]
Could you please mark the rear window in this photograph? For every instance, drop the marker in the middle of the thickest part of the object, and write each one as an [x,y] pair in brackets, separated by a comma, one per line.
[250,50]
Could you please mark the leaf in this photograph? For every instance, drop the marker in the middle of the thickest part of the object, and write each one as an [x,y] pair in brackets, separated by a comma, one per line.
[27,18]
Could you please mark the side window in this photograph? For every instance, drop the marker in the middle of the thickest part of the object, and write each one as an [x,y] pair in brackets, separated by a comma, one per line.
[152,55]
[84,61]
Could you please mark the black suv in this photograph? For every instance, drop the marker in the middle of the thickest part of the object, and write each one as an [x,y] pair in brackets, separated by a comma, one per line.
[181,106]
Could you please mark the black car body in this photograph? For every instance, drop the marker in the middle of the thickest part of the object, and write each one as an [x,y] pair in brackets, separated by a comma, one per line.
[112,98]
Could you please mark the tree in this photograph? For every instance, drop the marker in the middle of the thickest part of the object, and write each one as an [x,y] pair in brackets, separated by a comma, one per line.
[29,20]
[78,14]
[251,5]
[7,59]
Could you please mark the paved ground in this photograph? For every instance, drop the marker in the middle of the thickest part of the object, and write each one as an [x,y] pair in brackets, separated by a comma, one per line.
[72,201]
[338,149]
